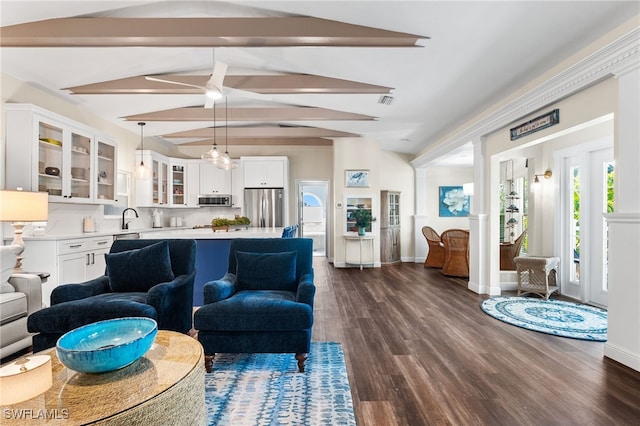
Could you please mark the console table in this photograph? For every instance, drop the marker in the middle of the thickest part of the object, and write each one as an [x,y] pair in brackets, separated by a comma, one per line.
[165,386]
[360,239]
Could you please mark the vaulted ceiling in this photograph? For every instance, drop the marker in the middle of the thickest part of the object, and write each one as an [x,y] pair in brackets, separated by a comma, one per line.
[300,72]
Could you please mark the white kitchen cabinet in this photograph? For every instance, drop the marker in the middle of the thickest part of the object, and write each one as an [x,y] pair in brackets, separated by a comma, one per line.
[68,261]
[237,186]
[265,172]
[193,183]
[178,183]
[50,153]
[214,180]
[153,191]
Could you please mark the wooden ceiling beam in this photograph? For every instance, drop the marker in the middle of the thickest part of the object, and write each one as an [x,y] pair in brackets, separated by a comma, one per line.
[263,142]
[260,132]
[263,84]
[249,114]
[199,32]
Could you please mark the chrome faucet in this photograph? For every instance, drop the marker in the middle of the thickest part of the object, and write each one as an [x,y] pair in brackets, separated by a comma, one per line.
[126,225]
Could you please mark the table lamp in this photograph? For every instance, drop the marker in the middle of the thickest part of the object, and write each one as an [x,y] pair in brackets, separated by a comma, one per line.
[19,207]
[25,379]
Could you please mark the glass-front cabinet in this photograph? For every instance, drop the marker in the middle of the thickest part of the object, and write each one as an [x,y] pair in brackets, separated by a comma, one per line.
[50,153]
[178,182]
[153,191]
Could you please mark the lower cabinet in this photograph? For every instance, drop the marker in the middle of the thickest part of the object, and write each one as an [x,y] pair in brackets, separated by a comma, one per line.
[390,245]
[68,261]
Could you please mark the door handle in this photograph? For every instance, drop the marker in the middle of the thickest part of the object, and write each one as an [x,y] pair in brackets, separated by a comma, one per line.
[87,261]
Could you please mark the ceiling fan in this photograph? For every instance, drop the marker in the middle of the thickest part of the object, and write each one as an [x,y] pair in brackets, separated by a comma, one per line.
[212,88]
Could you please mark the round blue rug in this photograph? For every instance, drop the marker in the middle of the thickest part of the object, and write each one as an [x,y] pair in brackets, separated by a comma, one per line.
[555,317]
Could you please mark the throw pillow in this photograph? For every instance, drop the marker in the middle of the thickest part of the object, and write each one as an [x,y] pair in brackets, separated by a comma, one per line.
[266,271]
[139,269]
[8,255]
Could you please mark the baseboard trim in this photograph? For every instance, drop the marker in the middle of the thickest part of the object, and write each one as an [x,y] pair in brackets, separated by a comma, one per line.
[623,357]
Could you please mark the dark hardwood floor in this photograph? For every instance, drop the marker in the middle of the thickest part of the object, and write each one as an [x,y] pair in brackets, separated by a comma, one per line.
[419,351]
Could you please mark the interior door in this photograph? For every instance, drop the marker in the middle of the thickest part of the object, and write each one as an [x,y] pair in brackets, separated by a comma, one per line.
[312,213]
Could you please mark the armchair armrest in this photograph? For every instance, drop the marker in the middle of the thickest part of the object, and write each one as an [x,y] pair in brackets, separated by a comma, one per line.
[221,289]
[31,285]
[306,290]
[68,292]
[173,302]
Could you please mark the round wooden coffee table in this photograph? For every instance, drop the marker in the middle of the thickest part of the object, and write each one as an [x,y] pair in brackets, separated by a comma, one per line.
[166,386]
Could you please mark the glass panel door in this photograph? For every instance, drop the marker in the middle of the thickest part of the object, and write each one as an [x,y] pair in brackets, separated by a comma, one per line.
[50,159]
[81,167]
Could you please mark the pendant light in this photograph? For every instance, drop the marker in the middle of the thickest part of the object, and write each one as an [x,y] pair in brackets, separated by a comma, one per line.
[142,171]
[226,163]
[213,155]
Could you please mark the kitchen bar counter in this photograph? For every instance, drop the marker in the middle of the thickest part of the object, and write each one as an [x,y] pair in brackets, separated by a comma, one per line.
[209,234]
[212,250]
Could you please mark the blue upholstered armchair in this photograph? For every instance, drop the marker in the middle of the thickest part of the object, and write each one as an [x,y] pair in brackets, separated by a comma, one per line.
[144,278]
[263,304]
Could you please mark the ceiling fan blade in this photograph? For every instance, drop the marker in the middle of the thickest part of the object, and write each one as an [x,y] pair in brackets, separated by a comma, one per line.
[209,102]
[160,80]
[229,91]
[217,78]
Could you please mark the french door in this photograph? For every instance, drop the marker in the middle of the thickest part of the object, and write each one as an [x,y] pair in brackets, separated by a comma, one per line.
[587,193]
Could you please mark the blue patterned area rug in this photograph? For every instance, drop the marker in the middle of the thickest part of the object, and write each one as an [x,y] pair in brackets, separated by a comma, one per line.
[267,389]
[555,317]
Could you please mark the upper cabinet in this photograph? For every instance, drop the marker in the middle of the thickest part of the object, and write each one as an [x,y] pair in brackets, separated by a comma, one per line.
[214,180]
[153,191]
[50,153]
[265,172]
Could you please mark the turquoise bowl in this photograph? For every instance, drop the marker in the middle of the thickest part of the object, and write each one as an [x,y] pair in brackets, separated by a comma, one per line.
[106,345]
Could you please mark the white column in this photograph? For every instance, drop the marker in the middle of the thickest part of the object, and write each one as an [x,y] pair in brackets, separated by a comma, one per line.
[420,218]
[623,339]
[479,256]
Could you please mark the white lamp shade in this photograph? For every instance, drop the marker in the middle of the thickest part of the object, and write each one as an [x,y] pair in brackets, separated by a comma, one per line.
[24,206]
[25,379]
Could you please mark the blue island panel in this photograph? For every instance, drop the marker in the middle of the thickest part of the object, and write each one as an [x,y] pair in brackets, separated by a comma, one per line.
[212,260]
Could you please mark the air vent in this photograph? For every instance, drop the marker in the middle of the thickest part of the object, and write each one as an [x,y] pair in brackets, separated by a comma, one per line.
[385,100]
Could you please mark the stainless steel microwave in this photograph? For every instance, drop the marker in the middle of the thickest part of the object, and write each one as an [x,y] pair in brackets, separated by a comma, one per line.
[214,200]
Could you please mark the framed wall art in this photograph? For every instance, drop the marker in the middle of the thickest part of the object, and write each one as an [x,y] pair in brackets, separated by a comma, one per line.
[357,178]
[453,202]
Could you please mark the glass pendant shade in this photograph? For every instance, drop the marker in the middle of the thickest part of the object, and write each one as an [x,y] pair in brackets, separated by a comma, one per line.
[142,171]
[212,156]
[226,163]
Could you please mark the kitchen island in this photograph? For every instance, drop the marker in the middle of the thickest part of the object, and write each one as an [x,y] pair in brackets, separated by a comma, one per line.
[212,250]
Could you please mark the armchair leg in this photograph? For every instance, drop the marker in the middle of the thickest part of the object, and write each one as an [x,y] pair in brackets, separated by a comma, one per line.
[301,360]
[208,362]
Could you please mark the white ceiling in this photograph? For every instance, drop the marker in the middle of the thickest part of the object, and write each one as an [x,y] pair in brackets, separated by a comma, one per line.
[477,53]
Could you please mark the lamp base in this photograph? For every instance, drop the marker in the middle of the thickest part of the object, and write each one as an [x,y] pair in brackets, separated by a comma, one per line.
[18,241]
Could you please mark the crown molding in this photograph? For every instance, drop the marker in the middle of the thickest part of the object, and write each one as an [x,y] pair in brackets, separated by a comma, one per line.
[615,59]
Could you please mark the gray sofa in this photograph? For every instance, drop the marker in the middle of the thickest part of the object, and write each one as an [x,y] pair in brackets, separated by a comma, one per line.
[15,307]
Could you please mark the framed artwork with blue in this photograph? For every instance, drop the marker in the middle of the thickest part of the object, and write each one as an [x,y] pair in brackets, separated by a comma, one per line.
[453,202]
[357,178]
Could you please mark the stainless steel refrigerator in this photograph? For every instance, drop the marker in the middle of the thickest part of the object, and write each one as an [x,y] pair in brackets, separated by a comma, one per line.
[264,206]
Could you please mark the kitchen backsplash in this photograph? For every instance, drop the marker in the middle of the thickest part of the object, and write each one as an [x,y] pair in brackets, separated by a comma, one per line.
[67,219]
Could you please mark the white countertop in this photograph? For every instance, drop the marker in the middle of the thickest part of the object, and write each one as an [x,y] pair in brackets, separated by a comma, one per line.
[208,234]
[183,232]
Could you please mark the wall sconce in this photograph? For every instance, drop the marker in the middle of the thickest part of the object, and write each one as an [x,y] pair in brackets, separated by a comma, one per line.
[536,181]
[547,175]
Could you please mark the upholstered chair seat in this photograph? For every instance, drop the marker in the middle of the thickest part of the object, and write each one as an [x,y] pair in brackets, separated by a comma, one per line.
[144,278]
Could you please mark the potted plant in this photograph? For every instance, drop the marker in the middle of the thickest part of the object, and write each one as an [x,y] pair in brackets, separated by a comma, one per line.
[363,220]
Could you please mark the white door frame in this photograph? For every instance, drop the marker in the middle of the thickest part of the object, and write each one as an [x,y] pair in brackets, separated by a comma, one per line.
[564,159]
[299,200]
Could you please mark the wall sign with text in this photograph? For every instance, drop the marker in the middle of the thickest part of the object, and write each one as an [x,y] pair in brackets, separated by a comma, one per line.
[542,122]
